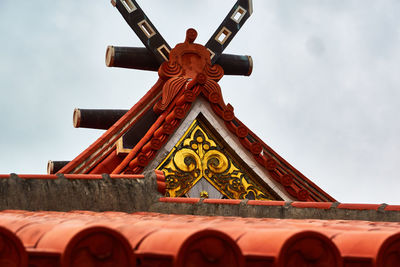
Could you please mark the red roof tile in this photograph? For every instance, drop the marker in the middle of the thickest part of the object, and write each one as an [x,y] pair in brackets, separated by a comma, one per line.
[88,246]
[290,247]
[83,238]
[12,251]
[204,247]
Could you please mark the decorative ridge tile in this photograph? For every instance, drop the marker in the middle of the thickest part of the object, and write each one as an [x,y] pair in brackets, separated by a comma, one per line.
[265,203]
[223,201]
[316,205]
[392,208]
[352,206]
[83,176]
[126,176]
[73,176]
[179,200]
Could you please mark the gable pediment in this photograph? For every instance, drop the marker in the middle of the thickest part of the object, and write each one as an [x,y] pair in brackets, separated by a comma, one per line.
[225,158]
[202,156]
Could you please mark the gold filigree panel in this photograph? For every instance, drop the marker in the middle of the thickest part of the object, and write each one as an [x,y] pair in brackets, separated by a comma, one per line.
[198,154]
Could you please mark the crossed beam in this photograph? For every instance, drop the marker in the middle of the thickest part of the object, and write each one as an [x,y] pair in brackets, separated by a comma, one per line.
[158,49]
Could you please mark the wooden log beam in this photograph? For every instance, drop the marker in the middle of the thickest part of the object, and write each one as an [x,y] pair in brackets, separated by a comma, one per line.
[141,59]
[96,118]
[236,64]
[138,58]
[55,166]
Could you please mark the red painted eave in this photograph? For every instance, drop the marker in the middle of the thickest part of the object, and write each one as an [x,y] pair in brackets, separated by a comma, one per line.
[103,143]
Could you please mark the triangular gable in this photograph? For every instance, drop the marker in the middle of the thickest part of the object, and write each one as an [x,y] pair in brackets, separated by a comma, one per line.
[286,187]
[186,79]
[201,156]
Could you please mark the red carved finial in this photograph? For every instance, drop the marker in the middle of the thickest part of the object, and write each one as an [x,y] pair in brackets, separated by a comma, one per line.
[191,35]
[190,67]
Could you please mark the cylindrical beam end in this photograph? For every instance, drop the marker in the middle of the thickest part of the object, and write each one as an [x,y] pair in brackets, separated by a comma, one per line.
[110,55]
[76,120]
[250,66]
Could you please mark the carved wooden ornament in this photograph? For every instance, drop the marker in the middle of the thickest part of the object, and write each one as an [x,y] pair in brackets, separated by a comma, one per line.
[198,155]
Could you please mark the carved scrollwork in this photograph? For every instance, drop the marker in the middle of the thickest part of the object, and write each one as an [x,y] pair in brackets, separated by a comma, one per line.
[214,72]
[169,69]
[198,155]
[170,89]
[187,160]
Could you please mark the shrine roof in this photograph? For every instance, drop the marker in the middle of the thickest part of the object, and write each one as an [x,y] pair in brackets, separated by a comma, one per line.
[154,239]
[185,79]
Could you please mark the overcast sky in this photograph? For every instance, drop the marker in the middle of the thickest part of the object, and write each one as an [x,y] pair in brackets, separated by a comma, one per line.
[324,93]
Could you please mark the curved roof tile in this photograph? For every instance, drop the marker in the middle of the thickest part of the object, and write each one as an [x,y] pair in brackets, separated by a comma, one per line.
[83,238]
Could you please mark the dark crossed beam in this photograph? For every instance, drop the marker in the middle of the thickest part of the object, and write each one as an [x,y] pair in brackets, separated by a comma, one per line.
[141,59]
[144,29]
[157,47]
[229,27]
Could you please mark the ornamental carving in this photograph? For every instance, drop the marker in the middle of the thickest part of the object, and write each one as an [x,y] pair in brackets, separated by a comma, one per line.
[198,155]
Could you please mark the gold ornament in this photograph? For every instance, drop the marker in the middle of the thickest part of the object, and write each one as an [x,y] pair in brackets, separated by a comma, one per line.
[198,154]
[204,194]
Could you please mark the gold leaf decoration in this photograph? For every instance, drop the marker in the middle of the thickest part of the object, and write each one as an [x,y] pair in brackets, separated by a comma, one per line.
[199,155]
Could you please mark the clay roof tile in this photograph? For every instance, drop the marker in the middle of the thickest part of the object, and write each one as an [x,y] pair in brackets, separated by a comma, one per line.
[173,240]
[12,251]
